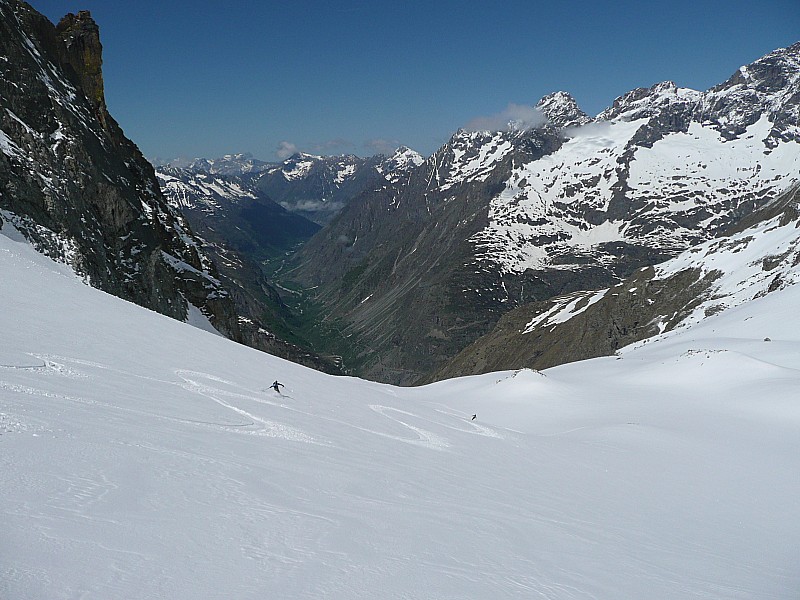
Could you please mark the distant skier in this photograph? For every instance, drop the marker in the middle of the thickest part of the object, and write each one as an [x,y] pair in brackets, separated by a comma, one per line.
[277,386]
[474,417]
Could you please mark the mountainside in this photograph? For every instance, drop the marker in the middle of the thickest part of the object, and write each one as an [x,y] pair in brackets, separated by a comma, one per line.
[413,273]
[143,458]
[233,214]
[77,187]
[761,256]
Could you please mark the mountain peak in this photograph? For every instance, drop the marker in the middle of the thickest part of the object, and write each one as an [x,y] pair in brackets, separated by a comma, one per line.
[407,154]
[768,86]
[83,51]
[402,160]
[773,72]
[562,110]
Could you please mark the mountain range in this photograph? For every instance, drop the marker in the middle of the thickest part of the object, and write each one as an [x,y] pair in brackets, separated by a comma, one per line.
[414,272]
[311,186]
[390,266]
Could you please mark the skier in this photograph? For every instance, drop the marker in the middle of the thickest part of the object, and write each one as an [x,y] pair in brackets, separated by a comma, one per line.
[474,417]
[275,386]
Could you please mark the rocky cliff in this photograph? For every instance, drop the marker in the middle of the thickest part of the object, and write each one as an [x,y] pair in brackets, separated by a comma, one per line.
[77,187]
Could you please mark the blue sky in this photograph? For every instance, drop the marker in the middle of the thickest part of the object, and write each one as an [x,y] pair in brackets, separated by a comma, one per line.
[202,78]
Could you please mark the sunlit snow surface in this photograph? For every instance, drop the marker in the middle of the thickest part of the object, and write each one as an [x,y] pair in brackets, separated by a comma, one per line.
[144,458]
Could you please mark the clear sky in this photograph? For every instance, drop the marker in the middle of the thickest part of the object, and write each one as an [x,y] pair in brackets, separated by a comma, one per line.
[202,78]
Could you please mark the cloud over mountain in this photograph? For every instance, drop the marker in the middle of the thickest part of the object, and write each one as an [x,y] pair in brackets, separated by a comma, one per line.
[515,117]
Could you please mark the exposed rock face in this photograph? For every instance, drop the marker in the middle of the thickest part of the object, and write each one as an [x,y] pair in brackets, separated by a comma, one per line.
[413,272]
[77,187]
[79,38]
[623,314]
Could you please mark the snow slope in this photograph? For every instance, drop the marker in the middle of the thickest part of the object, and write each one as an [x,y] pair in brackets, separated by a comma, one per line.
[144,458]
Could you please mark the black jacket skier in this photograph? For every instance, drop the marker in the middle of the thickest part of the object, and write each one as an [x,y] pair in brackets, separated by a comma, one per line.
[275,385]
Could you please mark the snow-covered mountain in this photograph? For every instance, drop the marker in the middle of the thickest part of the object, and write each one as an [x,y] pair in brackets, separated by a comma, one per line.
[318,187]
[185,188]
[312,186]
[496,219]
[664,167]
[399,165]
[134,469]
[230,165]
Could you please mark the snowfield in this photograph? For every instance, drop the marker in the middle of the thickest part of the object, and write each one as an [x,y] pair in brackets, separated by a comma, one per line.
[146,458]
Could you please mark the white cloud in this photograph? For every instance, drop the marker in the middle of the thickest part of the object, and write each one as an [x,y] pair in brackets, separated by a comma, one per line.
[313,206]
[516,117]
[285,150]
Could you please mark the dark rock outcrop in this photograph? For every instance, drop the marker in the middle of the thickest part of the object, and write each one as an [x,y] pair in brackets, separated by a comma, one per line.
[81,190]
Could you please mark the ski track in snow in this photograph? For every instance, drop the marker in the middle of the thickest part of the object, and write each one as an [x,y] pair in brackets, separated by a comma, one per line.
[426,438]
[265,427]
[212,387]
